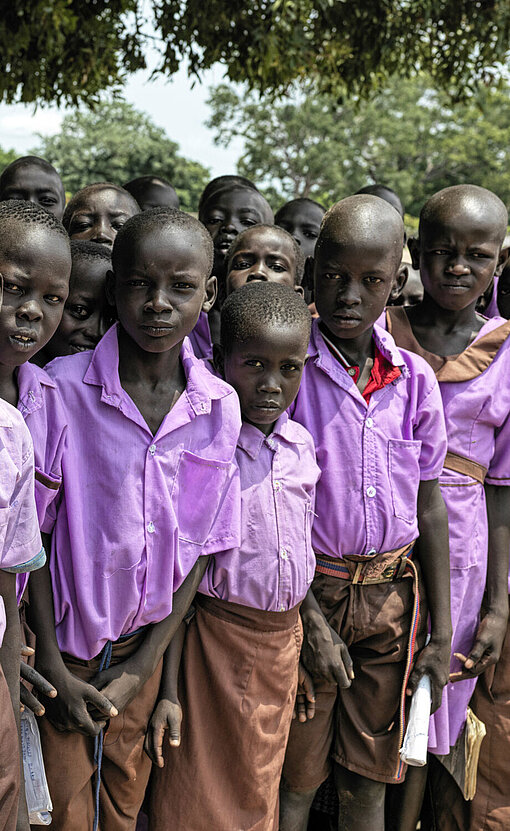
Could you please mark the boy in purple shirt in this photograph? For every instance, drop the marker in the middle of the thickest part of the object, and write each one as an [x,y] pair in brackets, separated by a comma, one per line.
[98,211]
[375,414]
[240,663]
[147,489]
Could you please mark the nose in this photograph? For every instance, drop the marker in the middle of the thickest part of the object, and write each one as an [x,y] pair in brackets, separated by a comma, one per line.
[102,231]
[348,293]
[458,268]
[158,303]
[270,383]
[258,271]
[228,226]
[30,310]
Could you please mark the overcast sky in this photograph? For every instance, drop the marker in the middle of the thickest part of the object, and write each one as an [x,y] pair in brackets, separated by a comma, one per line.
[173,105]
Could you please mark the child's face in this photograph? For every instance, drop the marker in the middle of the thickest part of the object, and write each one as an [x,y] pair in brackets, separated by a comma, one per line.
[303,221]
[157,196]
[504,293]
[457,258]
[161,288]
[33,184]
[266,371]
[228,213]
[263,254]
[352,285]
[83,323]
[99,218]
[36,283]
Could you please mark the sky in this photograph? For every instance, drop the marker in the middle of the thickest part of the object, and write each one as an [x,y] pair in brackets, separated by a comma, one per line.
[172,104]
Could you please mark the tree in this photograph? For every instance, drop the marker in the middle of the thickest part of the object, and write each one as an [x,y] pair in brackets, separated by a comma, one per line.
[115,142]
[6,157]
[409,136]
[70,50]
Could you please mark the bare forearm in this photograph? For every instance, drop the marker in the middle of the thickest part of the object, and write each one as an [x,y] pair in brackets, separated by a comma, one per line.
[498,514]
[173,655]
[433,554]
[11,647]
[42,618]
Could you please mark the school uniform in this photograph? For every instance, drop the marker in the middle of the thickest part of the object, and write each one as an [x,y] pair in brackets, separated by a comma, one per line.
[476,400]
[200,338]
[240,661]
[373,450]
[20,550]
[137,510]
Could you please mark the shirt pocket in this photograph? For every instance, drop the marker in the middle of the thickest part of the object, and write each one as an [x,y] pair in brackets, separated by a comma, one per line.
[198,489]
[404,476]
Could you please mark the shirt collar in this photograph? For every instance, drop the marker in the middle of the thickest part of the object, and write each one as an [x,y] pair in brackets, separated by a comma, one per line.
[285,431]
[201,386]
[318,351]
[31,380]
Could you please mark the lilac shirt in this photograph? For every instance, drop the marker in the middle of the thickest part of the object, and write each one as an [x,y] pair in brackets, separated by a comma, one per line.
[372,456]
[274,565]
[137,509]
[20,540]
[200,338]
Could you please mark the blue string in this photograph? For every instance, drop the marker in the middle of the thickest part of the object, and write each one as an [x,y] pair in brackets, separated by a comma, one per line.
[106,657]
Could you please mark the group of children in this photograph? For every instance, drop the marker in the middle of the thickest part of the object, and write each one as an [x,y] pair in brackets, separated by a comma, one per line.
[270,503]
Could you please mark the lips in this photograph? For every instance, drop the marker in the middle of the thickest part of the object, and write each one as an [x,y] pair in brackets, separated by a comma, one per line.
[23,339]
[267,405]
[223,243]
[157,329]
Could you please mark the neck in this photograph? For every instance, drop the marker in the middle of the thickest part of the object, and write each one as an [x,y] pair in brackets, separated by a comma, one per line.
[135,364]
[8,384]
[428,313]
[356,350]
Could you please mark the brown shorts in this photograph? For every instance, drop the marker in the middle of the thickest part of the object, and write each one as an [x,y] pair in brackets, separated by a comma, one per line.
[237,689]
[360,727]
[9,760]
[69,757]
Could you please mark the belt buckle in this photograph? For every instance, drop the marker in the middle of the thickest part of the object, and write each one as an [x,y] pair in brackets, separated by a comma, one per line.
[357,577]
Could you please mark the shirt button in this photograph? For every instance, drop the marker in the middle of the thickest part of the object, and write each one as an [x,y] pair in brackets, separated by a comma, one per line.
[371,491]
[151,527]
[277,485]
[270,443]
[369,422]
[152,449]
[282,608]
[351,371]
[283,553]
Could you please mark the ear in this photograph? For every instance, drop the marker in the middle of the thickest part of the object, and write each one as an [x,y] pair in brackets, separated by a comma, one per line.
[413,245]
[399,282]
[211,293]
[307,281]
[110,287]
[502,260]
[218,359]
[300,290]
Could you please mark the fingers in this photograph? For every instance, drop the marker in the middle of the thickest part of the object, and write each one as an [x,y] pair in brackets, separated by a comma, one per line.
[174,725]
[154,743]
[343,671]
[100,702]
[38,681]
[27,651]
[473,665]
[30,701]
[306,698]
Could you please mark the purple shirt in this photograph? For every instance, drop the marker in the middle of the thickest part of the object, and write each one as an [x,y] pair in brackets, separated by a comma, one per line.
[137,509]
[200,338]
[274,565]
[372,456]
[20,540]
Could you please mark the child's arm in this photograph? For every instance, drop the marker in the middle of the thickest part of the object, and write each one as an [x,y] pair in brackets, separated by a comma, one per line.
[168,712]
[324,654]
[69,711]
[36,681]
[432,551]
[491,631]
[121,683]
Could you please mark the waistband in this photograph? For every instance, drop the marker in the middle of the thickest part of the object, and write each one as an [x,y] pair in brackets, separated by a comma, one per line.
[247,616]
[461,464]
[380,568]
[121,650]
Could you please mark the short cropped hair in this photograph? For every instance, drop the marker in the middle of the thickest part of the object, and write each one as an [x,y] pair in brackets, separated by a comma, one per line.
[256,305]
[82,249]
[137,186]
[386,193]
[299,201]
[298,253]
[456,198]
[220,182]
[30,161]
[16,214]
[157,218]
[81,195]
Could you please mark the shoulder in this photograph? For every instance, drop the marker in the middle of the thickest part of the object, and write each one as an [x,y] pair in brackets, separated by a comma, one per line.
[69,367]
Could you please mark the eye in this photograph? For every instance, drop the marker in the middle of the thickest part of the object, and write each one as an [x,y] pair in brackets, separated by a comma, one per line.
[80,312]
[310,234]
[137,283]
[117,224]
[79,227]
[254,362]
[182,285]
[479,255]
[330,276]
[213,220]
[53,299]
[247,222]
[240,265]
[440,252]
[278,267]
[12,288]
[47,200]
[372,279]
[290,368]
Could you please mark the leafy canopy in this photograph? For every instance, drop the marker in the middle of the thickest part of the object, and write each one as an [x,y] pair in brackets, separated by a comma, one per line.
[115,142]
[409,136]
[69,50]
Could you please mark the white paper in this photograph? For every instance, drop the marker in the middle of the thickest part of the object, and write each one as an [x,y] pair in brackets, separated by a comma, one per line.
[36,786]
[414,748]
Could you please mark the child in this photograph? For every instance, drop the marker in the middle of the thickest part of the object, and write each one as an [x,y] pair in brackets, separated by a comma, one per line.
[20,551]
[503,293]
[266,253]
[386,193]
[240,663]
[219,182]
[152,192]
[458,251]
[375,414]
[146,490]
[34,180]
[302,219]
[98,211]
[86,311]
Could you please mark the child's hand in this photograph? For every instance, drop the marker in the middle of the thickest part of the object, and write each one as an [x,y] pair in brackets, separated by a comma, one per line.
[122,682]
[71,711]
[486,648]
[166,716]
[38,682]
[324,653]
[304,707]
[434,661]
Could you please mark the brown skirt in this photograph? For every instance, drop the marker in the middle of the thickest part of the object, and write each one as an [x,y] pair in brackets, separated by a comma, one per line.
[237,689]
[9,760]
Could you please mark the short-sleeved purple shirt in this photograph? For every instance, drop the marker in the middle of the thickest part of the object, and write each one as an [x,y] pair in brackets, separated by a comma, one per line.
[137,509]
[274,566]
[372,456]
